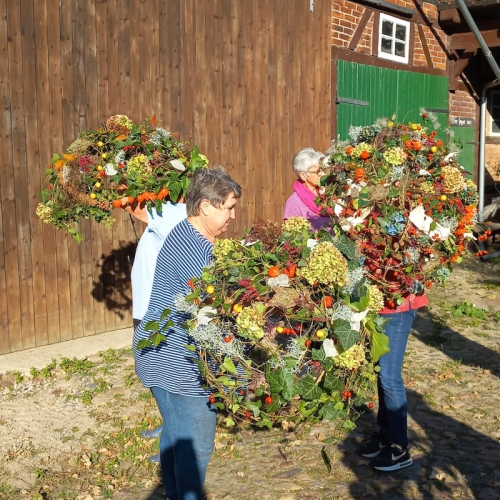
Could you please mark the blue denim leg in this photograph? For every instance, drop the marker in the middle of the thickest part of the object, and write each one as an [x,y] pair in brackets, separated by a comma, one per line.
[186,443]
[393,410]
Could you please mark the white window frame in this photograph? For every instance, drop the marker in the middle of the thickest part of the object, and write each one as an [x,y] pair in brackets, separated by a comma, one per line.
[494,100]
[385,55]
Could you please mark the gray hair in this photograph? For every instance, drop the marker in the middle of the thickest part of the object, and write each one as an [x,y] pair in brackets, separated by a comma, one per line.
[305,159]
[212,185]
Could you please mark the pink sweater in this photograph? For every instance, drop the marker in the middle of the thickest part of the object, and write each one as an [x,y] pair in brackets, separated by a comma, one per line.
[295,207]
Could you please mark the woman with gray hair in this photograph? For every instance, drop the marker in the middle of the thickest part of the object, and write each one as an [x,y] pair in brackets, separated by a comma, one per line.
[307,164]
[170,369]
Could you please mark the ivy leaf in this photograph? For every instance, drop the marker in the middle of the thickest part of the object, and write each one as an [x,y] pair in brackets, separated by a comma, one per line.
[379,345]
[265,422]
[229,422]
[157,339]
[318,354]
[228,366]
[329,412]
[152,325]
[254,408]
[281,382]
[165,313]
[308,389]
[347,337]
[332,383]
[345,245]
[143,344]
[379,341]
[307,409]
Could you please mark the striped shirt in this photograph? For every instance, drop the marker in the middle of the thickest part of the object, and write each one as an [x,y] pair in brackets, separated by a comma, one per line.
[143,270]
[170,366]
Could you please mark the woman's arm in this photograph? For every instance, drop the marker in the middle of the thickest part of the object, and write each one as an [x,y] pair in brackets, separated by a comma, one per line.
[138,211]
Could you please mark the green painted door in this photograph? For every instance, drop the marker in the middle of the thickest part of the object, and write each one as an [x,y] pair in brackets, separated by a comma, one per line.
[365,93]
[466,138]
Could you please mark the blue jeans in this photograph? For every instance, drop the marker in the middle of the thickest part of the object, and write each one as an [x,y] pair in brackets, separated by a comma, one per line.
[392,416]
[186,443]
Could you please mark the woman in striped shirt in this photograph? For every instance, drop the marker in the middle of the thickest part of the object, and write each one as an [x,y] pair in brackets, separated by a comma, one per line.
[188,430]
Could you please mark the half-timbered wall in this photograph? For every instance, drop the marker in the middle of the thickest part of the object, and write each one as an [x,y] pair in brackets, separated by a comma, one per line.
[248,81]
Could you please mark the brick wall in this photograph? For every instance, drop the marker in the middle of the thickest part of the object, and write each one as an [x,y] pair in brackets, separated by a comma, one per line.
[462,105]
[346,16]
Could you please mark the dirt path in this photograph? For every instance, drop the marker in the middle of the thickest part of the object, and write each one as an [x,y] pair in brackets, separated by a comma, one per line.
[72,432]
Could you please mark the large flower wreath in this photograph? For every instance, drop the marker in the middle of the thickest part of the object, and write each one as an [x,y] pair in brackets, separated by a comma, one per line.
[397,191]
[119,163]
[286,326]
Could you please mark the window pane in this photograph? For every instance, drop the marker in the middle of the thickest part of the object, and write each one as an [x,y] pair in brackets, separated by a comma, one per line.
[386,45]
[400,32]
[400,49]
[495,126]
[387,27]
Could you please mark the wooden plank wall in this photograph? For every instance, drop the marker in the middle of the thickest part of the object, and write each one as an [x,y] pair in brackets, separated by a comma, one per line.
[248,81]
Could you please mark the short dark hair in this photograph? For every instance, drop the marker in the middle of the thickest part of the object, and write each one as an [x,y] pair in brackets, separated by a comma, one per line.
[212,185]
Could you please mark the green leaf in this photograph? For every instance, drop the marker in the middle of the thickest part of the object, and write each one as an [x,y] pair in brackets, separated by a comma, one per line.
[379,341]
[189,347]
[308,389]
[306,408]
[157,339]
[347,337]
[281,382]
[345,245]
[228,366]
[379,345]
[265,422]
[165,313]
[152,325]
[143,344]
[329,412]
[318,354]
[254,408]
[55,157]
[229,422]
[349,425]
[326,459]
[332,383]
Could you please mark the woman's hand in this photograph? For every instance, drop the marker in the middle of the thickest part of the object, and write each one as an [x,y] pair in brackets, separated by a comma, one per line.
[138,210]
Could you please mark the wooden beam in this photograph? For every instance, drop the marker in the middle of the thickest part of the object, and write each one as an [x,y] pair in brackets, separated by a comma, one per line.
[361,27]
[449,15]
[473,4]
[375,35]
[468,41]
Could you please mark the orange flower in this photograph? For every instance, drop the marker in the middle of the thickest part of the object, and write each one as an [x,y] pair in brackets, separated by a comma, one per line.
[121,137]
[59,164]
[190,284]
[153,120]
[70,158]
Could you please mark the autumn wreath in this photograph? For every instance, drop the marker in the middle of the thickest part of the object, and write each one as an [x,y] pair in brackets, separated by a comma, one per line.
[286,326]
[398,193]
[116,164]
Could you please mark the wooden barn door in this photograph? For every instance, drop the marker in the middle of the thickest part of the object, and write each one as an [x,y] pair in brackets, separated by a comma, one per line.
[249,81]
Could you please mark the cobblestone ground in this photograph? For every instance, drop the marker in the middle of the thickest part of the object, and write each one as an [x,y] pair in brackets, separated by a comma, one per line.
[452,373]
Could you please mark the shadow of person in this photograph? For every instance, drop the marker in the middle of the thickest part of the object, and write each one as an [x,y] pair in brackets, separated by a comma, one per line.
[428,328]
[113,285]
[450,459]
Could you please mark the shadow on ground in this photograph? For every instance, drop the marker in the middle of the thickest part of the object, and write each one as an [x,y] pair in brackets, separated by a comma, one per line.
[454,345]
[451,459]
